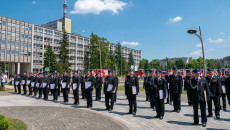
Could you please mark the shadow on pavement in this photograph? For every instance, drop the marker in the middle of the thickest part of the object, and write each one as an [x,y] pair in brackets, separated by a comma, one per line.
[180,123]
[145,117]
[118,113]
[98,109]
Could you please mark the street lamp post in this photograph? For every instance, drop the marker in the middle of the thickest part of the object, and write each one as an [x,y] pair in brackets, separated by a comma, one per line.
[193,31]
[100,56]
[121,57]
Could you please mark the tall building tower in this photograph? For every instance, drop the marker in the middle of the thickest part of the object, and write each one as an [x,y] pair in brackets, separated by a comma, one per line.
[65,9]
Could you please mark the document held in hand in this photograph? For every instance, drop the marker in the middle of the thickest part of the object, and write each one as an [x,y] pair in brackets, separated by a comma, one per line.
[110,87]
[32,84]
[161,94]
[134,90]
[74,86]
[52,86]
[88,85]
[223,89]
[44,85]
[37,84]
[23,82]
[17,82]
[79,87]
[64,85]
[28,82]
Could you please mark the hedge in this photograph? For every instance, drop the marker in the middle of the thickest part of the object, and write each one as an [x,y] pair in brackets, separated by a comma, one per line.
[4,124]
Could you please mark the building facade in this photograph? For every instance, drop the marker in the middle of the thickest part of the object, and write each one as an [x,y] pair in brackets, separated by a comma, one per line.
[23,45]
[185,59]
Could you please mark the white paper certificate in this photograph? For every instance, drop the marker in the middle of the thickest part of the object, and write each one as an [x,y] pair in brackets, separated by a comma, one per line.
[223,89]
[74,86]
[12,82]
[134,90]
[37,84]
[87,84]
[64,85]
[44,85]
[114,91]
[110,87]
[52,86]
[32,84]
[28,82]
[79,87]
[23,82]
[161,94]
[168,85]
[17,82]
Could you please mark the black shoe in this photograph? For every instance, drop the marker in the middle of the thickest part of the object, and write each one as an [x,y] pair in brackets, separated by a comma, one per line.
[134,113]
[195,123]
[161,117]
[218,117]
[95,100]
[129,113]
[204,124]
[109,109]
[167,103]
[87,106]
[170,103]
[178,111]
[157,116]
[90,106]
[174,111]
[209,115]
[225,109]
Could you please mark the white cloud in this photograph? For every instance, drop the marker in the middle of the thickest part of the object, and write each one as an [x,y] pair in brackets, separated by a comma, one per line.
[196,53]
[97,6]
[221,33]
[218,40]
[130,43]
[198,45]
[176,19]
[34,2]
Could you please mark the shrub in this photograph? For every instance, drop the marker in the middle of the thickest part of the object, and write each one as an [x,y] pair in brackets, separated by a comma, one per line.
[4,124]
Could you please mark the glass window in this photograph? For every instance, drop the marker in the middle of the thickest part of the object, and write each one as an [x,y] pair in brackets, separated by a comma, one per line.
[16,52]
[3,23]
[3,51]
[17,35]
[9,33]
[3,42]
[8,42]
[17,43]
[12,52]
[22,53]
[22,35]
[26,28]
[26,36]
[8,52]
[30,29]
[29,37]
[12,43]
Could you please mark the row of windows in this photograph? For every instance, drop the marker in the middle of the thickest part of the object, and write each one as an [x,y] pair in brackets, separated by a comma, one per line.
[12,52]
[15,34]
[13,25]
[16,43]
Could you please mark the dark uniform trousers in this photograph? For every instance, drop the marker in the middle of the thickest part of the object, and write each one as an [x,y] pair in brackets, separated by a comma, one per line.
[19,88]
[160,107]
[83,92]
[216,101]
[66,94]
[152,98]
[176,101]
[15,88]
[169,99]
[35,89]
[55,93]
[132,101]
[89,98]
[202,110]
[109,96]
[30,89]
[224,100]
[76,96]
[40,91]
[59,89]
[46,92]
[98,93]
[24,88]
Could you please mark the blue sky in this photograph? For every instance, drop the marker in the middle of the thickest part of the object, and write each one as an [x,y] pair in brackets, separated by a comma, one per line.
[157,27]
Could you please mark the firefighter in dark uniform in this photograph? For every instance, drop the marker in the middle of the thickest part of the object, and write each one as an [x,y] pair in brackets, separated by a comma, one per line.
[34,81]
[29,83]
[176,83]
[45,85]
[54,86]
[160,95]
[83,85]
[39,85]
[215,93]
[222,79]
[18,83]
[76,81]
[59,84]
[108,91]
[24,80]
[227,82]
[145,84]
[98,86]
[187,86]
[200,95]
[151,89]
[89,83]
[132,92]
[169,95]
[126,84]
[65,86]
[116,82]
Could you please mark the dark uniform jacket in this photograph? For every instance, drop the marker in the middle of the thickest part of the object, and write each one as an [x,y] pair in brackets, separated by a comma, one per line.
[145,82]
[54,81]
[66,79]
[82,82]
[99,82]
[222,79]
[214,86]
[151,85]
[126,84]
[133,81]
[30,78]
[77,80]
[198,87]
[47,81]
[109,80]
[91,79]
[176,83]
[160,84]
[19,79]
[24,77]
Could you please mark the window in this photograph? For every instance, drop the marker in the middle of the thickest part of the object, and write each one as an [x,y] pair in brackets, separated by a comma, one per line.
[30,29]
[17,35]
[29,37]
[3,42]
[26,28]
[22,35]
[9,33]
[8,52]
[22,53]
[16,52]
[12,43]
[12,52]
[3,51]
[8,42]
[17,43]
[26,36]
[3,23]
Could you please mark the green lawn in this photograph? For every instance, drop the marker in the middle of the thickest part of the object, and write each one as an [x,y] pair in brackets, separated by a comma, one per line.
[15,124]
[7,90]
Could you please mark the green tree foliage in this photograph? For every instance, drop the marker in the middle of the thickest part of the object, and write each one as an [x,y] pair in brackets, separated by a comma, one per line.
[50,59]
[125,66]
[180,64]
[98,43]
[155,64]
[118,57]
[111,60]
[131,60]
[144,64]
[227,66]
[64,57]
[170,64]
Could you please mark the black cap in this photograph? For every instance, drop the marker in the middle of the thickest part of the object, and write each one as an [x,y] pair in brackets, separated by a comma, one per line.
[127,72]
[168,70]
[65,71]
[188,71]
[131,69]
[196,71]
[25,72]
[109,71]
[210,70]
[150,71]
[219,70]
[175,68]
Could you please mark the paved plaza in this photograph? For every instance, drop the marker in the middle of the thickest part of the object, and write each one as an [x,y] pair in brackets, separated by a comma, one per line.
[41,114]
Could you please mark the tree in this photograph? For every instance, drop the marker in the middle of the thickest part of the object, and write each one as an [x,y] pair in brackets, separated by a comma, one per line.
[50,59]
[170,64]
[97,44]
[125,66]
[144,64]
[64,57]
[131,60]
[155,64]
[111,60]
[180,64]
[118,58]
[227,66]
